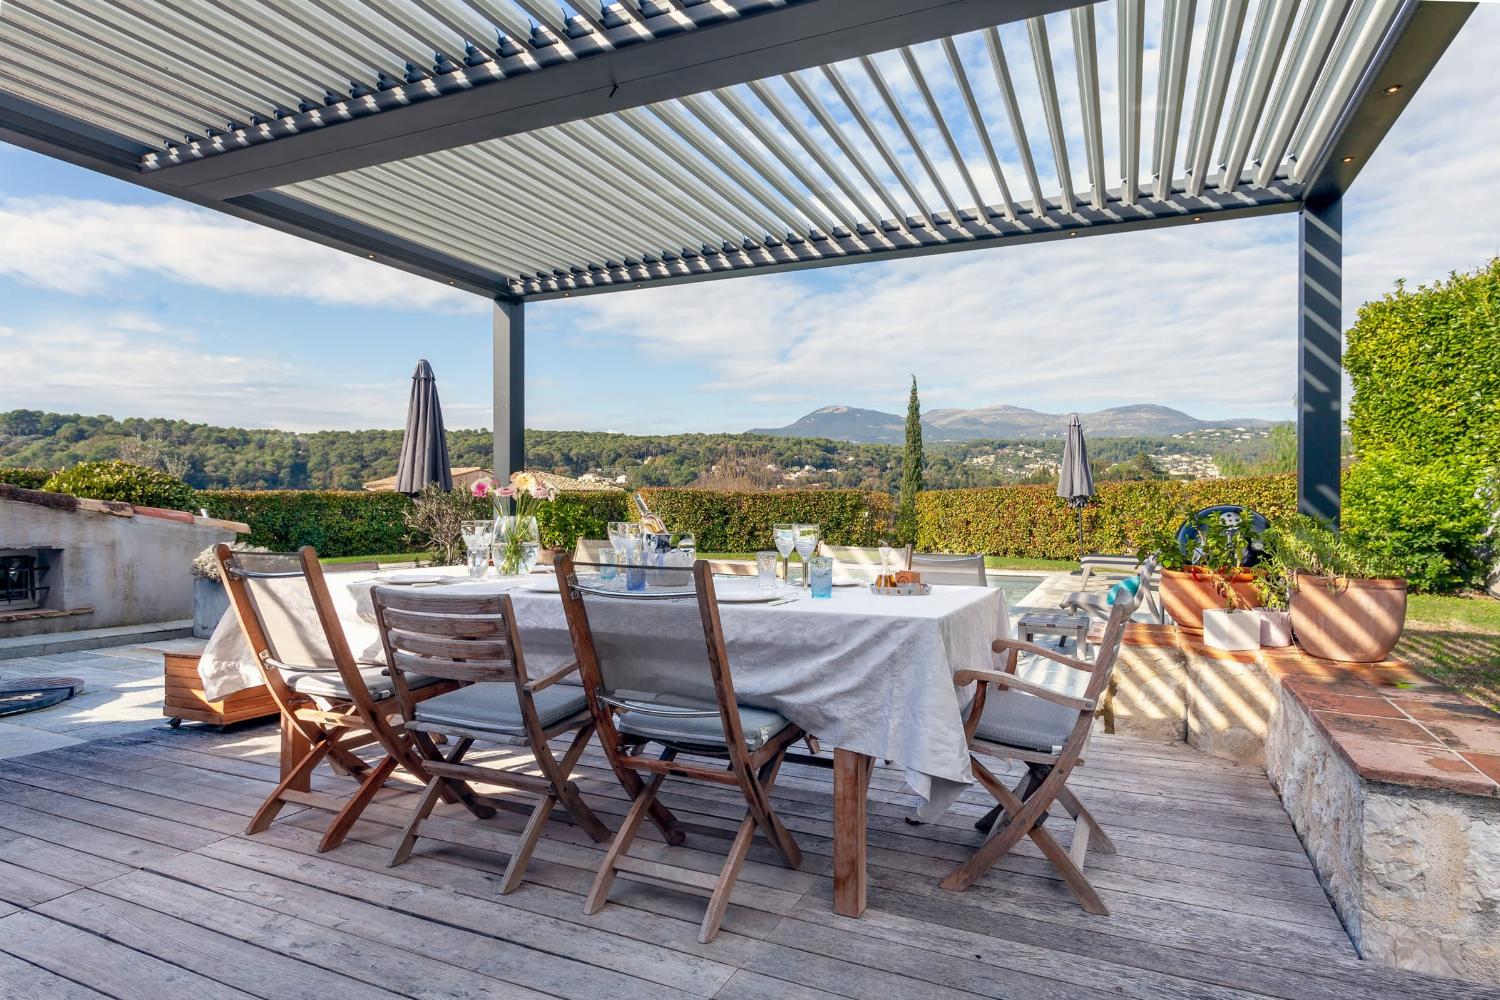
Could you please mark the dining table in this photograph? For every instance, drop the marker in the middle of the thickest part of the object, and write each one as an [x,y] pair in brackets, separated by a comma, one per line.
[869,675]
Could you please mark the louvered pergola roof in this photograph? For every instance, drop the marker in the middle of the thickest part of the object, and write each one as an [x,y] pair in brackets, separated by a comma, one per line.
[523,149]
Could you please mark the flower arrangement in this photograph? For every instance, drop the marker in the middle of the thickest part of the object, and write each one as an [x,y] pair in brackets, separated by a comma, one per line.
[515,505]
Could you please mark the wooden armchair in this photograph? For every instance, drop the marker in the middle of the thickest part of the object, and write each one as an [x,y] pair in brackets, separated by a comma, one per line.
[330,704]
[656,672]
[473,638]
[1046,727]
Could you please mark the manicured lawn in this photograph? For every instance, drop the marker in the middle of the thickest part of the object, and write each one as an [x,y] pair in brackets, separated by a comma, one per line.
[1010,562]
[1455,640]
[389,557]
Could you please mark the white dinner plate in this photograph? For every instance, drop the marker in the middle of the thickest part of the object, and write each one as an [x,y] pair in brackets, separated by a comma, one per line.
[846,581]
[748,592]
[542,585]
[415,578]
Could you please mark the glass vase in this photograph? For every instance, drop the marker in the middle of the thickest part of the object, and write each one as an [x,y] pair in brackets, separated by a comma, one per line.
[517,545]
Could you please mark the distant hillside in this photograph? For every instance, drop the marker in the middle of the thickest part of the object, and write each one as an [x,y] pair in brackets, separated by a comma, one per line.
[1000,422]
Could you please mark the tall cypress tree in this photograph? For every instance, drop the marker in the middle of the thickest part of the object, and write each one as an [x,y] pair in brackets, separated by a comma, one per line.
[911,467]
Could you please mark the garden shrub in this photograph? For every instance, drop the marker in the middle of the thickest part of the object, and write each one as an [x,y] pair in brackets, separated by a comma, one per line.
[1034,522]
[361,523]
[26,478]
[741,522]
[1424,423]
[335,522]
[121,481]
[1425,520]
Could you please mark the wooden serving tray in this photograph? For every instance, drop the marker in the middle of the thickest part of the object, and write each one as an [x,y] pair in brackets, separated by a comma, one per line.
[903,590]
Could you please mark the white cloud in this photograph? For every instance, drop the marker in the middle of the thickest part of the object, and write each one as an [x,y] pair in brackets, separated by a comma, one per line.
[1203,318]
[81,246]
[124,367]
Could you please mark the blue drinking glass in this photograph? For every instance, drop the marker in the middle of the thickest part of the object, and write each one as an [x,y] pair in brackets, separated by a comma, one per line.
[635,570]
[607,568]
[821,572]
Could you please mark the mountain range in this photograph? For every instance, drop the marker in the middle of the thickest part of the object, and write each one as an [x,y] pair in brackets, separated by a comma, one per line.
[851,423]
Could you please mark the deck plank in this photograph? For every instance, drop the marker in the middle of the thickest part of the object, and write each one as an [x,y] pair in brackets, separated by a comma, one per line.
[130,851]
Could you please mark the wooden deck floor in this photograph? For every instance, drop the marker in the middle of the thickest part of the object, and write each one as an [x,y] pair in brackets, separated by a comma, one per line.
[123,872]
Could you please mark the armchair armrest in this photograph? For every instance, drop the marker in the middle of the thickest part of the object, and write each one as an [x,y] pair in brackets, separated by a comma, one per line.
[547,680]
[1015,683]
[1001,645]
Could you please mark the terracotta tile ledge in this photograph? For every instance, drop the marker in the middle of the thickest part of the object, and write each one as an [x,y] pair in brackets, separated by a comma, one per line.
[63,501]
[1389,722]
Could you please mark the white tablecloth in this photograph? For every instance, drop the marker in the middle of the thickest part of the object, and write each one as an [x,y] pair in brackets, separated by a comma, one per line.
[862,672]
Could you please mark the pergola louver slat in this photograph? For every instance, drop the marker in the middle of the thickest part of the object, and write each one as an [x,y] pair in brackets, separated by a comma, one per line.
[700,166]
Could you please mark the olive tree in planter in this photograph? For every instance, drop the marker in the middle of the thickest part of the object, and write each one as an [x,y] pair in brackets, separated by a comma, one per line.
[1344,606]
[210,599]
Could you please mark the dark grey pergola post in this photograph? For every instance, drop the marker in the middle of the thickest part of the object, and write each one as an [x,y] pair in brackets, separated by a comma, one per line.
[1320,264]
[510,387]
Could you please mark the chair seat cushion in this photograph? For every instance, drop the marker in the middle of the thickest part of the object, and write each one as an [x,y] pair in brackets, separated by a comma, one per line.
[759,725]
[327,683]
[1129,585]
[1021,720]
[495,708]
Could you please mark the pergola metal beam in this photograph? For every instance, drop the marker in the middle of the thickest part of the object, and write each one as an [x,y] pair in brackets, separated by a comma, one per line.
[412,120]
[509,385]
[1085,220]
[31,126]
[1407,55]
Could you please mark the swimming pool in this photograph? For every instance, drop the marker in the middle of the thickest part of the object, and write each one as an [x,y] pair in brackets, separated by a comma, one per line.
[1015,588]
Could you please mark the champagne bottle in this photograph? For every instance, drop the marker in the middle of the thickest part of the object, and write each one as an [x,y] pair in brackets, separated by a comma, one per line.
[650,520]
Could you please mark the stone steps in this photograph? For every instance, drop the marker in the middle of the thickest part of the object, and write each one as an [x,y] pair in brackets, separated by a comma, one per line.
[14,647]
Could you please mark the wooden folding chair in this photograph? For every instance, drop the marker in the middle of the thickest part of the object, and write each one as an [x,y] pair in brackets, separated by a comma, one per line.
[1046,727]
[473,638]
[331,705]
[655,671]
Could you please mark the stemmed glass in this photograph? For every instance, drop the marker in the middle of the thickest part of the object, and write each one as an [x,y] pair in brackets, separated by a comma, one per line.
[785,537]
[624,536]
[806,539]
[478,535]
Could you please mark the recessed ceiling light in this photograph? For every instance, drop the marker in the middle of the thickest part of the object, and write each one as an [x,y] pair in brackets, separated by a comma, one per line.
[1394,88]
[450,282]
[1348,159]
[1072,234]
[1197,218]
[370,255]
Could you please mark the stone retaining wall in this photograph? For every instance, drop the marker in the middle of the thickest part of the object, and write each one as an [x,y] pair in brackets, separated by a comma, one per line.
[1391,780]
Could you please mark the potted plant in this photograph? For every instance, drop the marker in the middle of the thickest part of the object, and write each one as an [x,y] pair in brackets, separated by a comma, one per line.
[1343,605]
[1194,578]
[1274,579]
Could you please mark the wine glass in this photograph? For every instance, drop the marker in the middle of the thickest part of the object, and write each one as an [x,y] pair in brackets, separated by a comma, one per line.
[624,536]
[806,540]
[477,537]
[785,537]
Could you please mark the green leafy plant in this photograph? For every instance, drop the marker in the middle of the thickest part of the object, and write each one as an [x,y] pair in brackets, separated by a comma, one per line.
[434,521]
[1303,545]
[124,482]
[911,468]
[1222,548]
[24,477]
[741,522]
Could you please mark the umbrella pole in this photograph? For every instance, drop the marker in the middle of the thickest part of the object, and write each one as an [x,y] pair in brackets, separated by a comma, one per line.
[1081,552]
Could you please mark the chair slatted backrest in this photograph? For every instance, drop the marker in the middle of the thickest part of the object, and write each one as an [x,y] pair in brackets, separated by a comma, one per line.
[453,637]
[660,651]
[1144,591]
[949,570]
[1109,646]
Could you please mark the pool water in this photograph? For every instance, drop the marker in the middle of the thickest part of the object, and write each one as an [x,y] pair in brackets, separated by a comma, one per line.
[1016,588]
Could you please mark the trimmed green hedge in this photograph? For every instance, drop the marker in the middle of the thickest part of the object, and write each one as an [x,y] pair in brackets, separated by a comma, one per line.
[335,522]
[1032,521]
[360,523]
[1425,426]
[26,478]
[741,522]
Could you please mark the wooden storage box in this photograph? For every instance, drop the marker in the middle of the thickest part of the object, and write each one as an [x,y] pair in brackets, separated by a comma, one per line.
[184,697]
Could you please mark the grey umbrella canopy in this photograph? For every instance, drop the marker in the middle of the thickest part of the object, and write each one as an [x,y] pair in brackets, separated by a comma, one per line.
[424,446]
[1075,482]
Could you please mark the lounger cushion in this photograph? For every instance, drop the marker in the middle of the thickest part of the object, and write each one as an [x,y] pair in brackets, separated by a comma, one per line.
[494,707]
[1027,722]
[759,726]
[328,684]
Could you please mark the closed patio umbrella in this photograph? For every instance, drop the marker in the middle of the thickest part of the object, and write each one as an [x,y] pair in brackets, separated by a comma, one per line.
[1075,482]
[424,446]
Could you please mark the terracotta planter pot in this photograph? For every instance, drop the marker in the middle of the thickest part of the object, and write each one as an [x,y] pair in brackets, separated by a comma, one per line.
[1186,594]
[1358,621]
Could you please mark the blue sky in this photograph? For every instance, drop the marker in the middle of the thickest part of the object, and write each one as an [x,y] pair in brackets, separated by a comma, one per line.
[115,300]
